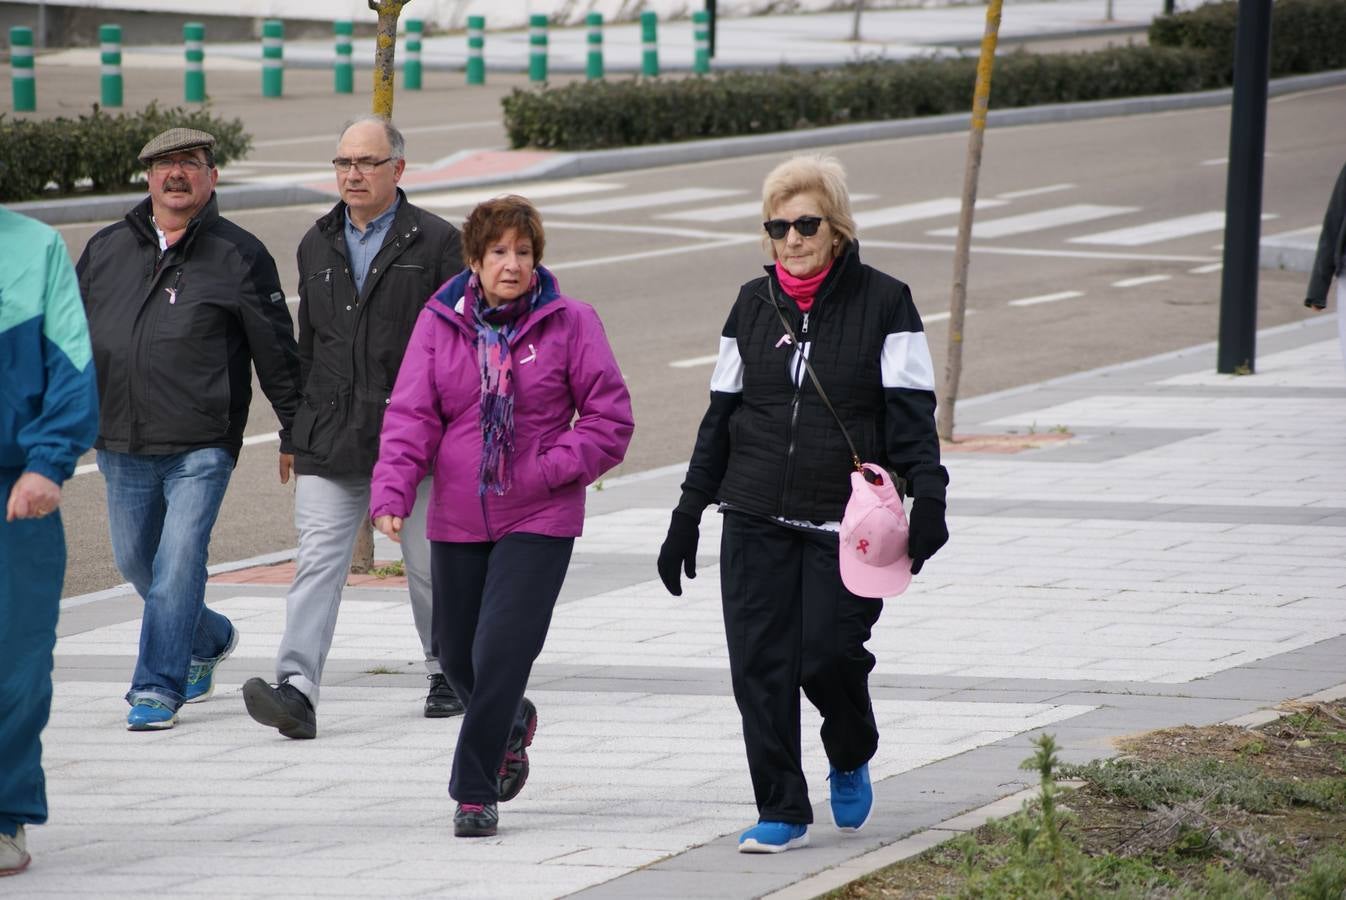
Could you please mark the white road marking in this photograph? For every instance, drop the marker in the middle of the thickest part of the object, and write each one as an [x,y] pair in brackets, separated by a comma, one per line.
[1163,230]
[533,191]
[912,212]
[992,250]
[1047,298]
[695,361]
[1207,269]
[650,254]
[638,201]
[1033,192]
[1143,279]
[727,211]
[249,441]
[943,316]
[332,138]
[1037,221]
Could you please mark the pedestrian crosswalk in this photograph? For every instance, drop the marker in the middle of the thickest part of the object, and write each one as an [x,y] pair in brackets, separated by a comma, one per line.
[1039,218]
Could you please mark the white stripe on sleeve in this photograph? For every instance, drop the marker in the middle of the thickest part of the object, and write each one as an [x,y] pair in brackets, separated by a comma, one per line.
[906,361]
[728,375]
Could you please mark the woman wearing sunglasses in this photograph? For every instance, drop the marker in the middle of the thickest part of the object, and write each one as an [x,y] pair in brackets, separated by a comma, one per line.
[775,459]
[510,391]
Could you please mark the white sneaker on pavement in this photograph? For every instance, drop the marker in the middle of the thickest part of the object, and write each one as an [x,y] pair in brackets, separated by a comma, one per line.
[14,856]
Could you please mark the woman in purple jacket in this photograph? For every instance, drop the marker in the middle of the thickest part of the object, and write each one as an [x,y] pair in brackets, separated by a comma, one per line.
[510,391]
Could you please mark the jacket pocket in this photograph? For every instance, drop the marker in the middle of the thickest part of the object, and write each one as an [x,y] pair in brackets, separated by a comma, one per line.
[319,423]
[319,296]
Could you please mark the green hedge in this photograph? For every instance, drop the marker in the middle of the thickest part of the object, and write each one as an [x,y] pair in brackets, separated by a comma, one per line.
[591,115]
[1190,51]
[51,157]
[1306,35]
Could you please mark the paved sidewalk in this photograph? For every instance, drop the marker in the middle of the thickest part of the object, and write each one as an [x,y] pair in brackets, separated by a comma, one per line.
[1177,560]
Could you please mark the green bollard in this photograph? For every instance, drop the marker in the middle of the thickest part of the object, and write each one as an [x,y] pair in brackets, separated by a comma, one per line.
[701,33]
[537,48]
[649,44]
[411,69]
[24,85]
[273,58]
[593,67]
[343,71]
[476,45]
[194,76]
[110,49]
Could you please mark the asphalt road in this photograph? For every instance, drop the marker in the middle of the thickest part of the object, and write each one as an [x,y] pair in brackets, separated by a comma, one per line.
[1098,247]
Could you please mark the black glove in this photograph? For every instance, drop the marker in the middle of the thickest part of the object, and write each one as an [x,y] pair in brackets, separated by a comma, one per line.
[926,531]
[679,550]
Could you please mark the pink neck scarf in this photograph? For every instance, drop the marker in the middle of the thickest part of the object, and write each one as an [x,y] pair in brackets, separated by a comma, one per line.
[801,290]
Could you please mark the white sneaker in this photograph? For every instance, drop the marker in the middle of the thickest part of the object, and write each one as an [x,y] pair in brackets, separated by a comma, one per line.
[14,856]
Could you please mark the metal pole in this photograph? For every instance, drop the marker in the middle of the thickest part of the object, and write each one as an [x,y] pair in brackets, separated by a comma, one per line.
[343,69]
[476,47]
[710,8]
[701,42]
[593,68]
[537,48]
[649,43]
[110,50]
[23,86]
[411,66]
[273,58]
[194,73]
[1243,194]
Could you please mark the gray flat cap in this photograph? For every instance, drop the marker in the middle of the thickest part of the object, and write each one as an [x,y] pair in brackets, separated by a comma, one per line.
[175,140]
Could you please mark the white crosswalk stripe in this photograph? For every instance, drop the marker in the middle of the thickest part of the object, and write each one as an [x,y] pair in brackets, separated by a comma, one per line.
[742,210]
[535,191]
[1163,230]
[913,212]
[1038,221]
[638,201]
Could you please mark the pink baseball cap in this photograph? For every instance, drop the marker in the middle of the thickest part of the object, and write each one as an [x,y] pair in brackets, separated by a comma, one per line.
[874,560]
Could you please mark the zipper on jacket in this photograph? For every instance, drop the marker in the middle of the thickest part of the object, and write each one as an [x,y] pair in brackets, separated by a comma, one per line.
[798,378]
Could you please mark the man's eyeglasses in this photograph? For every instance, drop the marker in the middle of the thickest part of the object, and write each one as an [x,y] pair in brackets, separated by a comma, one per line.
[189,165]
[807,226]
[363,166]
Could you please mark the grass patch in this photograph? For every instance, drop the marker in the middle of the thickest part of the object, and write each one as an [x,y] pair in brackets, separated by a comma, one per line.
[394,569]
[1185,813]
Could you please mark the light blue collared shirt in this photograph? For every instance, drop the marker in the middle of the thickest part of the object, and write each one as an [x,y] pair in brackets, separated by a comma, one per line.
[363,246]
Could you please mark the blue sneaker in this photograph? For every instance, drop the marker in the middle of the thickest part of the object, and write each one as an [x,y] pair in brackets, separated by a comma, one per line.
[852,797]
[150,715]
[773,837]
[201,676]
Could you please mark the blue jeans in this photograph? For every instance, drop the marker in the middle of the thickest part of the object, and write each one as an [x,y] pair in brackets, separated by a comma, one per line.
[161,510]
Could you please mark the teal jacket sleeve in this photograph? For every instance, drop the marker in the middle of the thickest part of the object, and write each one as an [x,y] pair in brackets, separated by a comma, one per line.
[66,423]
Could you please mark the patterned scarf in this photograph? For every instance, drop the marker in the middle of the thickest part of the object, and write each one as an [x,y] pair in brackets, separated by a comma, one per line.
[495,326]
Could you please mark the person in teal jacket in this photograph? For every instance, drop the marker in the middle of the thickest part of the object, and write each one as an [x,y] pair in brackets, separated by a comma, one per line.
[48,417]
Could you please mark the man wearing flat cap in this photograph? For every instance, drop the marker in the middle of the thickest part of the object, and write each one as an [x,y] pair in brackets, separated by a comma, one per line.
[182,304]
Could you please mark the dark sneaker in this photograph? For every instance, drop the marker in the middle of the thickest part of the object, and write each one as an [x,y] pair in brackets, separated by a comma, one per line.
[441,702]
[514,770]
[201,676]
[283,707]
[475,820]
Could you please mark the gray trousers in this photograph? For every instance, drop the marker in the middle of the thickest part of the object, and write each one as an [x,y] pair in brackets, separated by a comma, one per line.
[328,513]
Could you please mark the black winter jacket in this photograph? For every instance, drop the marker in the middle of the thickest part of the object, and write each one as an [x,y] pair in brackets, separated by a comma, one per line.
[1331,256]
[350,347]
[175,337]
[768,445]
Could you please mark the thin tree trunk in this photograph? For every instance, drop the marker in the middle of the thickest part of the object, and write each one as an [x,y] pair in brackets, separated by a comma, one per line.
[855,24]
[362,559]
[981,97]
[385,50]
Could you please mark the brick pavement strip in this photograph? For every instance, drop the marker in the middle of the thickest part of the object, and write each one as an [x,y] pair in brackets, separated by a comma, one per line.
[1089,625]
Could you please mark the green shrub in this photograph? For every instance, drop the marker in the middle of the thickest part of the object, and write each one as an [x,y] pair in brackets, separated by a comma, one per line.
[1306,35]
[99,147]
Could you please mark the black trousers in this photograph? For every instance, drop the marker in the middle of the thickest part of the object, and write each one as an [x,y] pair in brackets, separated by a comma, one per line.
[493,605]
[792,624]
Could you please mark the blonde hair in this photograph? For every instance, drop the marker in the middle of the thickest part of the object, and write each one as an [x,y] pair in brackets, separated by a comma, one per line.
[817,174]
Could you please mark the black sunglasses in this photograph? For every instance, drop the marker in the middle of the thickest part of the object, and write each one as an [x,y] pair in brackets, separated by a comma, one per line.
[807,226]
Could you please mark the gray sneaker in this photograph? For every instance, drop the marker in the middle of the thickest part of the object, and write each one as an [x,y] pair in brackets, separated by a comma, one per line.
[14,856]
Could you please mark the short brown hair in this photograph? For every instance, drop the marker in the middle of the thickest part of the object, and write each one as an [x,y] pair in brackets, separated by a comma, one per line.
[492,218]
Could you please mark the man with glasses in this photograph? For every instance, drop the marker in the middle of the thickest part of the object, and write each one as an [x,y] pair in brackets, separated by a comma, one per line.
[182,303]
[365,270]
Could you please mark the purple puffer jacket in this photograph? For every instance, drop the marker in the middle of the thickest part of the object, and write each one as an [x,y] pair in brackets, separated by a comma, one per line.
[563,366]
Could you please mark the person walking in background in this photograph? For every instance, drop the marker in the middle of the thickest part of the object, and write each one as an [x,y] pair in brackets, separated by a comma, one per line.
[510,391]
[366,269]
[771,452]
[1330,260]
[48,417]
[181,304]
